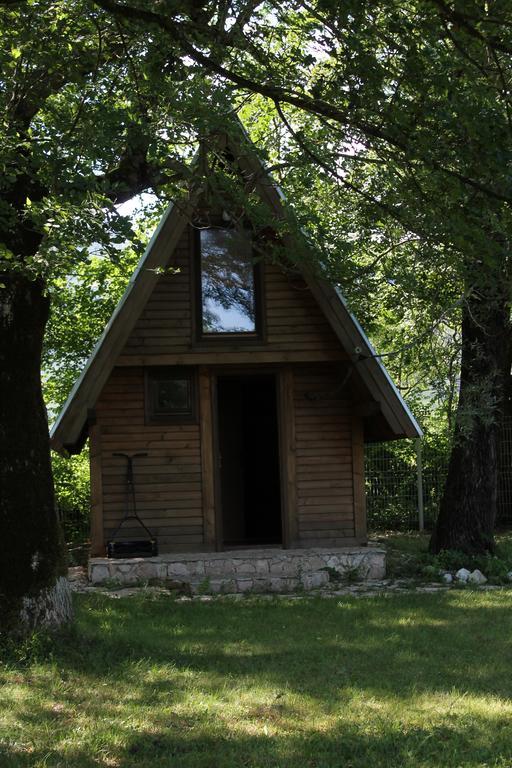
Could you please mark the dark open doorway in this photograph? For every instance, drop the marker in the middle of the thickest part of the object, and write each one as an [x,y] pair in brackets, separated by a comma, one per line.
[249,460]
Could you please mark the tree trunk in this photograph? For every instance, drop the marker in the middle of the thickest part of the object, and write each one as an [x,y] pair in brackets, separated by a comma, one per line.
[468,508]
[33,591]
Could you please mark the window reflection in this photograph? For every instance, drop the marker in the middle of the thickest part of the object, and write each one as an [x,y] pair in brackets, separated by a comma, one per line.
[173,396]
[227,282]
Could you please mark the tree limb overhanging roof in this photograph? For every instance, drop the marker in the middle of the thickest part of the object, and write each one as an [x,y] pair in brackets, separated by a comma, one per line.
[68,432]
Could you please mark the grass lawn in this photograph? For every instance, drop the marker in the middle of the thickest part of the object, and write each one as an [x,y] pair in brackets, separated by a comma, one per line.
[407,680]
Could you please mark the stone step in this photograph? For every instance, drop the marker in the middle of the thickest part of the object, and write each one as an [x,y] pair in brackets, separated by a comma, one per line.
[246,570]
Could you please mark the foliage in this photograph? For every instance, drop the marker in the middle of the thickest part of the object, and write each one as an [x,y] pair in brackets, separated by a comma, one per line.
[82,303]
[495,568]
[258,682]
[407,556]
[72,495]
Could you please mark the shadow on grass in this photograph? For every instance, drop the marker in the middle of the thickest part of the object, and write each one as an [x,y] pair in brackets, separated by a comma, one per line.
[410,643]
[320,683]
[344,745]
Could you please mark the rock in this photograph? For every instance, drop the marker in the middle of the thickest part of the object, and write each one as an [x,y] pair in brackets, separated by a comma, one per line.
[177,569]
[262,567]
[509,575]
[477,577]
[244,567]
[314,580]
[463,575]
[244,585]
[77,573]
[98,573]
[447,578]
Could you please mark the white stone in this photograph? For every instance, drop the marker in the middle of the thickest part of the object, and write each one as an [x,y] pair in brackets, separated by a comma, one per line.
[282,568]
[477,577]
[219,568]
[262,566]
[160,571]
[178,569]
[123,568]
[509,575]
[147,571]
[447,578]
[315,580]
[98,573]
[375,566]
[463,575]
[244,585]
[261,585]
[270,569]
[213,586]
[245,566]
[277,584]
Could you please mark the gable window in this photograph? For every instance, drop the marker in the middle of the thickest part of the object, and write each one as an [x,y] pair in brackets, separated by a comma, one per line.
[228,283]
[170,395]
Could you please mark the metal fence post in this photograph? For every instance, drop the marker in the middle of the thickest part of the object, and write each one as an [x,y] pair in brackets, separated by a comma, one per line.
[419,484]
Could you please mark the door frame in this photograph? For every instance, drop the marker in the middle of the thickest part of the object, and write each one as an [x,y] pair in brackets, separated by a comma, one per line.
[276,373]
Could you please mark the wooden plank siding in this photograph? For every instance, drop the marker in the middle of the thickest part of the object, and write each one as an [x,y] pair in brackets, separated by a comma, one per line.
[176,494]
[323,458]
[296,328]
[168,480]
[320,442]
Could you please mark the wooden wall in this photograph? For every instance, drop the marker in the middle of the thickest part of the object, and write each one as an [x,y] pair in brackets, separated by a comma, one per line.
[324,458]
[169,487]
[321,463]
[296,328]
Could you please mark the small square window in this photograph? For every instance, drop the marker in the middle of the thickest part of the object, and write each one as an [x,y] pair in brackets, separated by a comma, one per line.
[170,395]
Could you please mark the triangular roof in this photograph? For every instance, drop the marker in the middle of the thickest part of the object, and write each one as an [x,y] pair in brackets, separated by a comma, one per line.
[69,431]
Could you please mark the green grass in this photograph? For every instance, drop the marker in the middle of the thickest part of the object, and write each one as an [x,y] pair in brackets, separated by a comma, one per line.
[402,681]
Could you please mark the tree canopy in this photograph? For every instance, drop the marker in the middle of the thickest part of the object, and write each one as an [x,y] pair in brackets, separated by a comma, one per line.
[388,123]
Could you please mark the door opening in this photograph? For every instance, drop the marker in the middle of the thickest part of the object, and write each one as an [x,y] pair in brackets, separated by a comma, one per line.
[249,461]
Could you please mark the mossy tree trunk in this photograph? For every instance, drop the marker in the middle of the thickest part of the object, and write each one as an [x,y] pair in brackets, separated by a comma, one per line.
[32,590]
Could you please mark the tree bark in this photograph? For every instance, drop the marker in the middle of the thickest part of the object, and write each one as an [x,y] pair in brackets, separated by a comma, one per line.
[32,560]
[468,507]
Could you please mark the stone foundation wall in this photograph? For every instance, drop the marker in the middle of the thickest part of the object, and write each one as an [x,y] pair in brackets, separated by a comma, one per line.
[246,570]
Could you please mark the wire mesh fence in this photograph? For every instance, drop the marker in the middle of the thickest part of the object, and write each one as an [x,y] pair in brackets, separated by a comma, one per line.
[399,484]
[399,487]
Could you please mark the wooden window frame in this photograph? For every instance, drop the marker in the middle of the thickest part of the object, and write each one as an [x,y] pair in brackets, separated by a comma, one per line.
[226,337]
[154,373]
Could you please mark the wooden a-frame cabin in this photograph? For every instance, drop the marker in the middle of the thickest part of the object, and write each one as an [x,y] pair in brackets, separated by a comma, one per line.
[250,387]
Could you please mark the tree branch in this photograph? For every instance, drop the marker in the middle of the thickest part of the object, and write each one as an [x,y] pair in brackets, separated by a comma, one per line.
[278,94]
